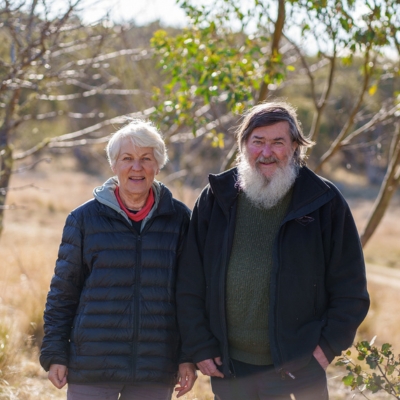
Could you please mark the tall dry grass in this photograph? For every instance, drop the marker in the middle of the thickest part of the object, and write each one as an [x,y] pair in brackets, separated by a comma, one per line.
[28,249]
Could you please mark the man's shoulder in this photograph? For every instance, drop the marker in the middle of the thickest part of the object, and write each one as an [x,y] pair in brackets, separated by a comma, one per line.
[222,187]
[306,173]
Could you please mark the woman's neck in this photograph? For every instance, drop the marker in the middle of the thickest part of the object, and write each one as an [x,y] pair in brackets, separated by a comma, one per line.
[133,202]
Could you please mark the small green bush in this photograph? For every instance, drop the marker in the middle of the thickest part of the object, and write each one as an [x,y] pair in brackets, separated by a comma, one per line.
[377,370]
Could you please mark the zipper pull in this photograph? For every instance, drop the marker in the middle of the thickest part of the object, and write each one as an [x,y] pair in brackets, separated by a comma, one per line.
[284,373]
[290,374]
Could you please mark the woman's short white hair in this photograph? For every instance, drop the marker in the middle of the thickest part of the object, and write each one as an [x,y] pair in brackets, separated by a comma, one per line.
[142,134]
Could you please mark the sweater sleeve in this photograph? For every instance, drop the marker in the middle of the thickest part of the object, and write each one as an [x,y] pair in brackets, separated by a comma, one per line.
[63,297]
[345,283]
[198,342]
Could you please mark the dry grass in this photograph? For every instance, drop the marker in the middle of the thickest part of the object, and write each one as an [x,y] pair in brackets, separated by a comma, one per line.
[28,249]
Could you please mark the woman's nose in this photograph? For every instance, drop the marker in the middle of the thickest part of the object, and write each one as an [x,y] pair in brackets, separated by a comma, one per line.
[136,165]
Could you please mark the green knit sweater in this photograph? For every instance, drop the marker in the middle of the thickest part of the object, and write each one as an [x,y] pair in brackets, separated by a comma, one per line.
[248,280]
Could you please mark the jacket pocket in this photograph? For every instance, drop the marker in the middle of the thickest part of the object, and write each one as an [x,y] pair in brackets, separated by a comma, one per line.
[75,331]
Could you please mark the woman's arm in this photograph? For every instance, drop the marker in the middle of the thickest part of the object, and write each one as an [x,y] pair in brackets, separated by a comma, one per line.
[63,297]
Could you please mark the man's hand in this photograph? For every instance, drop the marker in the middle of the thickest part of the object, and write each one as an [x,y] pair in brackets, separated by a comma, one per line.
[58,375]
[320,357]
[209,367]
[187,376]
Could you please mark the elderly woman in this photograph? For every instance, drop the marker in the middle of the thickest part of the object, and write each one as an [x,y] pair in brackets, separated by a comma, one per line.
[110,318]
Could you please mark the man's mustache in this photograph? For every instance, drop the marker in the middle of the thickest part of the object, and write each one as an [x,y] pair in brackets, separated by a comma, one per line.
[266,160]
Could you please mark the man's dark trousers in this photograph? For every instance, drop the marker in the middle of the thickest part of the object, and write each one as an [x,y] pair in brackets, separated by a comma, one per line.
[252,382]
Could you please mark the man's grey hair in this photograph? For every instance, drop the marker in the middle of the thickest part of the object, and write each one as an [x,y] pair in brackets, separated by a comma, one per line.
[142,134]
[270,113]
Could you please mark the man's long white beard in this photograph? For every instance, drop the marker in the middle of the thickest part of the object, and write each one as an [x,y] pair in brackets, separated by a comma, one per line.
[265,192]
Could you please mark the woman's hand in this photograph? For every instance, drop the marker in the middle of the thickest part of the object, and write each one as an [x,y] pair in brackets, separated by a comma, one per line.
[187,376]
[58,375]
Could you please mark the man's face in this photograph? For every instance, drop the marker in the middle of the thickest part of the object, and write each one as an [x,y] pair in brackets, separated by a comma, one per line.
[270,147]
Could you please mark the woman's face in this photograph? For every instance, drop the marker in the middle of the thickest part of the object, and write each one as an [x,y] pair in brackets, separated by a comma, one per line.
[136,168]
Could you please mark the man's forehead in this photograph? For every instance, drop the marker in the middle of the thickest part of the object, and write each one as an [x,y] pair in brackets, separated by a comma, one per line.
[269,134]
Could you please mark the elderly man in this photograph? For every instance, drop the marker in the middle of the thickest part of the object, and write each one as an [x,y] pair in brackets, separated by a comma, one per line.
[271,283]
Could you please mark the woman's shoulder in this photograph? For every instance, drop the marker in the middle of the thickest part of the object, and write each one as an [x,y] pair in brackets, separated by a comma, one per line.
[179,206]
[89,207]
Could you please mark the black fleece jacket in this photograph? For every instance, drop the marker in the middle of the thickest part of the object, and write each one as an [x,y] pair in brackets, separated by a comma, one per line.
[318,293]
[110,314]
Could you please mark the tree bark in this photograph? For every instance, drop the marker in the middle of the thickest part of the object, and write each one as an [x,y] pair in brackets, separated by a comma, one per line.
[6,163]
[388,188]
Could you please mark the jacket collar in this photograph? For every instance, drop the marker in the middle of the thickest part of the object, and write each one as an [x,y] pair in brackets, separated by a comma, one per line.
[163,203]
[309,192]
[224,187]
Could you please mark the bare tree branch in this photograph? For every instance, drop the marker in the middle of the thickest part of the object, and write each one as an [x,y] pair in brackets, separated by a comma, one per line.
[89,93]
[17,188]
[368,70]
[56,142]
[381,116]
[31,166]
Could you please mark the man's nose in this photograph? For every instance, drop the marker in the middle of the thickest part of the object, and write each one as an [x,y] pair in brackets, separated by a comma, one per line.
[266,151]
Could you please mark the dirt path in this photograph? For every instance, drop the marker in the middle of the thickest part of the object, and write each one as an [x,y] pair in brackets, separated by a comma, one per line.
[383,275]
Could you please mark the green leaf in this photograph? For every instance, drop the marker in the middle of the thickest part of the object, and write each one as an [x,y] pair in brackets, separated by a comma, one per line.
[348,379]
[386,347]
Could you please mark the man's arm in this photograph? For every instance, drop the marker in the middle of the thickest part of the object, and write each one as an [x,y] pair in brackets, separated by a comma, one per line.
[345,283]
[198,342]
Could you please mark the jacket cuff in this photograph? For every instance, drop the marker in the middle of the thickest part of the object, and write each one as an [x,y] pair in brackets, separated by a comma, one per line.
[46,362]
[183,358]
[329,354]
[205,354]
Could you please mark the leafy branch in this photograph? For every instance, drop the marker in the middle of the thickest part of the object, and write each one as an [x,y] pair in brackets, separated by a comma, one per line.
[380,369]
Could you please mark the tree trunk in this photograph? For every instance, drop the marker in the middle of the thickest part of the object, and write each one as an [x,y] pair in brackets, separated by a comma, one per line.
[6,163]
[388,188]
[279,24]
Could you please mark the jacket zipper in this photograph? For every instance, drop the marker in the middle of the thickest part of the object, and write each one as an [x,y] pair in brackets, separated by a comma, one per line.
[315,298]
[282,370]
[136,300]
[225,353]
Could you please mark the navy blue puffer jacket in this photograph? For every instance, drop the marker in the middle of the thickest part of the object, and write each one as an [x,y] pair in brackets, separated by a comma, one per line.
[110,314]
